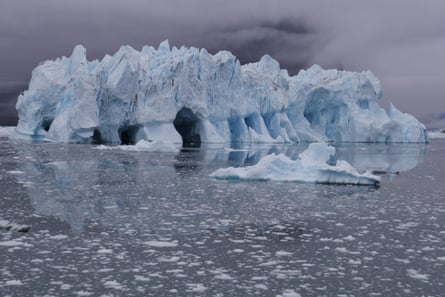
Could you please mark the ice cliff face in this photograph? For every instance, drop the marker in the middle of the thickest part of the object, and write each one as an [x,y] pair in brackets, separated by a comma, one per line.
[188,95]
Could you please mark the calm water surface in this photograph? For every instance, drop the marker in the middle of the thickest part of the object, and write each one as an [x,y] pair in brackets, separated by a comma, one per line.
[115,223]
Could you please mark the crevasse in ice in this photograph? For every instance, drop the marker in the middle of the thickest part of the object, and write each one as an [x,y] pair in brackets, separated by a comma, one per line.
[188,95]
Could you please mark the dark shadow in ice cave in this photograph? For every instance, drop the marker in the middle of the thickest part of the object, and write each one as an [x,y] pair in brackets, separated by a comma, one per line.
[128,134]
[46,124]
[187,124]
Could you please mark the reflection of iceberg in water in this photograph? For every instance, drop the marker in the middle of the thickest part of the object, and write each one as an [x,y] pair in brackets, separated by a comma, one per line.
[152,191]
[382,158]
[80,187]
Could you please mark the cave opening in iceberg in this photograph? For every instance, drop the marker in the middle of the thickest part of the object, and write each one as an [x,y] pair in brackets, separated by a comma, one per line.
[187,124]
[324,115]
[128,134]
[97,137]
[46,124]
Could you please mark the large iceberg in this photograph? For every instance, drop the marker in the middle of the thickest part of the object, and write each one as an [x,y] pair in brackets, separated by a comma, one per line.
[315,165]
[189,96]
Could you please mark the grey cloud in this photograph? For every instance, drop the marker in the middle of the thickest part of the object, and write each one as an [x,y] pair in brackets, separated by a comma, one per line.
[398,40]
[291,42]
[290,27]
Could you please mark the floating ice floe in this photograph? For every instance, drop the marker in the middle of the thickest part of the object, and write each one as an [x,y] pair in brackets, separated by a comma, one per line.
[187,95]
[436,134]
[144,146]
[314,165]
[4,224]
[161,244]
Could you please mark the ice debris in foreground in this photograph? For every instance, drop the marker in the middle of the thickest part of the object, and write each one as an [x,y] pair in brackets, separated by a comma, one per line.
[187,95]
[144,146]
[313,165]
[4,224]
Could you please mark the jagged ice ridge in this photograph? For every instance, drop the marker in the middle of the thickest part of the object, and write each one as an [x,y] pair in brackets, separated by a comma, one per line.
[188,95]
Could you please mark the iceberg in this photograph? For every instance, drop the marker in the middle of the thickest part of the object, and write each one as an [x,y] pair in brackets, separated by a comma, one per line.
[189,96]
[314,165]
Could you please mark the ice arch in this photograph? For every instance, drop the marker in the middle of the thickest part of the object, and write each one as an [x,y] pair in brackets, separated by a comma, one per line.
[128,134]
[326,114]
[187,124]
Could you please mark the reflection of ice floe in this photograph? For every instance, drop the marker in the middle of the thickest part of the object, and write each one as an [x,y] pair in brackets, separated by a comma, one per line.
[313,165]
[145,146]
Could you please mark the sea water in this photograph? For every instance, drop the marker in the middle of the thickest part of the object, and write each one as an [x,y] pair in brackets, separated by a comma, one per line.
[119,223]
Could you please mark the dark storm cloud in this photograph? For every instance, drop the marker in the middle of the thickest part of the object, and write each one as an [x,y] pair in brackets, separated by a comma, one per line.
[289,26]
[250,41]
[400,40]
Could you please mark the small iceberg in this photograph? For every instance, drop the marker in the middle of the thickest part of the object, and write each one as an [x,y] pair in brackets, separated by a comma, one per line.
[314,165]
[437,134]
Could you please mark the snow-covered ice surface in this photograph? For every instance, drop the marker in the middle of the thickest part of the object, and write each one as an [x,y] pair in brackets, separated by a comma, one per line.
[119,223]
[187,95]
[313,165]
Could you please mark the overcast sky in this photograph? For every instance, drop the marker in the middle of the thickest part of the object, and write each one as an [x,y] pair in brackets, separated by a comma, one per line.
[401,41]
